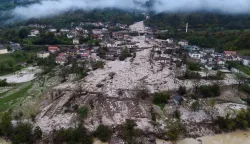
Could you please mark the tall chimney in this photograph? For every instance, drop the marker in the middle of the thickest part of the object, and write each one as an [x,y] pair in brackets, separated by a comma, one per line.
[186,27]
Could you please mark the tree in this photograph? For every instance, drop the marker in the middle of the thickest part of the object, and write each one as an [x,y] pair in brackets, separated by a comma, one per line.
[161,98]
[175,130]
[103,133]
[195,106]
[124,54]
[142,91]
[82,112]
[38,133]
[129,133]
[23,33]
[6,125]
[22,133]
[159,52]
[182,90]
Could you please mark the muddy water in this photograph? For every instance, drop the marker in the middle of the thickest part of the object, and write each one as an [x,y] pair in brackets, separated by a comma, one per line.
[239,137]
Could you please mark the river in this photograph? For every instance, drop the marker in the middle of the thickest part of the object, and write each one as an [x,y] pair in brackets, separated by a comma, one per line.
[238,137]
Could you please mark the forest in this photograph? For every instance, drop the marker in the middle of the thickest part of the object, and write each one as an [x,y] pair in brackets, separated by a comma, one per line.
[199,20]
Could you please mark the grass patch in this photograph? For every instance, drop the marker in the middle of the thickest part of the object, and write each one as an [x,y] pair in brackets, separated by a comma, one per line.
[161,98]
[244,69]
[11,99]
[244,52]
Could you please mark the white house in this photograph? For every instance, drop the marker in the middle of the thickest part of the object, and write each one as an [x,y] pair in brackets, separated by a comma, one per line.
[3,49]
[43,54]
[170,41]
[206,59]
[245,60]
[53,30]
[34,33]
[195,55]
[76,41]
[183,42]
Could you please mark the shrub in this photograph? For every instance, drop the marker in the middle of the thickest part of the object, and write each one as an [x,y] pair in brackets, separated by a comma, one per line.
[3,83]
[191,75]
[195,106]
[175,130]
[124,54]
[182,90]
[129,133]
[77,135]
[97,65]
[245,88]
[177,114]
[193,66]
[210,90]
[161,98]
[103,133]
[22,133]
[82,112]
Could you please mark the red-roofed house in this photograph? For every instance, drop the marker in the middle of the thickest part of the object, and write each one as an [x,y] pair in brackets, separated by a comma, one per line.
[53,49]
[61,58]
[230,53]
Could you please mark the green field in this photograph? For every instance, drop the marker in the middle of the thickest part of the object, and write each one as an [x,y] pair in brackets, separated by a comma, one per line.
[8,100]
[244,52]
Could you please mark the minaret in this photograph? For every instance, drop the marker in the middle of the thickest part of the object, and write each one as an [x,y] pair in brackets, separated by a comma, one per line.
[186,27]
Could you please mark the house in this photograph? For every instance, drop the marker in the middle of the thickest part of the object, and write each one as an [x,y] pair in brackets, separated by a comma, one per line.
[3,49]
[64,30]
[110,55]
[208,50]
[117,35]
[15,46]
[206,59]
[53,30]
[229,53]
[53,49]
[246,60]
[215,54]
[183,42]
[162,59]
[209,67]
[43,54]
[34,33]
[61,58]
[195,55]
[76,41]
[73,52]
[97,31]
[170,41]
[191,48]
[220,62]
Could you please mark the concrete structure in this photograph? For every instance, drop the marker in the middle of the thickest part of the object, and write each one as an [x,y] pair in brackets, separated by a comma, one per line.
[183,42]
[3,49]
[43,54]
[76,41]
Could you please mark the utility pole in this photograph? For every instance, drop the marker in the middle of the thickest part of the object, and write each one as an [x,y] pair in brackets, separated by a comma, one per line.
[186,27]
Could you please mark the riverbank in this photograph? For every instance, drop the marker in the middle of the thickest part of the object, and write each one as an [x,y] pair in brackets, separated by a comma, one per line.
[237,137]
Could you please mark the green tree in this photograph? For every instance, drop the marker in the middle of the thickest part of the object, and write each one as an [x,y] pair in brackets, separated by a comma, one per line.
[161,98]
[174,131]
[23,33]
[103,133]
[82,112]
[124,54]
[22,133]
[195,106]
[38,133]
[6,125]
[129,132]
